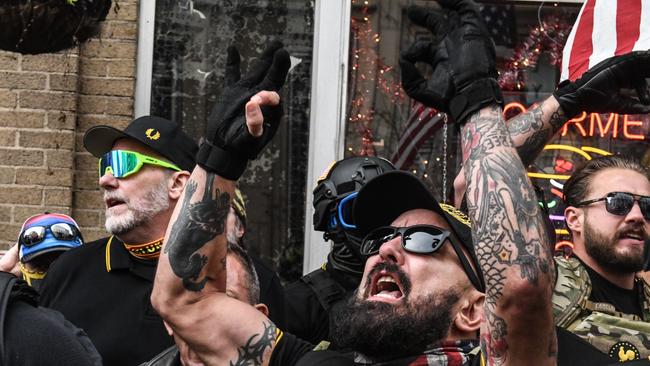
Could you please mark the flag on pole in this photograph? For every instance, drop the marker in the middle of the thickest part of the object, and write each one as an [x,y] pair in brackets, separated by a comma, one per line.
[422,123]
[605,28]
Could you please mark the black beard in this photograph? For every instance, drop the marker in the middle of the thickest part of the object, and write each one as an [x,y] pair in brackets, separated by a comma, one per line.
[379,330]
[601,249]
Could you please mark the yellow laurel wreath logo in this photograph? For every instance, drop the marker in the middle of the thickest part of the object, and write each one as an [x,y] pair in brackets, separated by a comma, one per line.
[152,134]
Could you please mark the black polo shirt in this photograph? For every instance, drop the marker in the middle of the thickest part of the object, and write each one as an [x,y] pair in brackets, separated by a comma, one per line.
[102,289]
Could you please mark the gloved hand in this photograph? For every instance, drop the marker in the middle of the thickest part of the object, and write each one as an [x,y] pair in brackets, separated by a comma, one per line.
[599,89]
[228,143]
[464,61]
[439,89]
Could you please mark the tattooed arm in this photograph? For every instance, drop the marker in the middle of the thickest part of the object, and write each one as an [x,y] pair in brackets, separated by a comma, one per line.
[510,244]
[530,132]
[189,290]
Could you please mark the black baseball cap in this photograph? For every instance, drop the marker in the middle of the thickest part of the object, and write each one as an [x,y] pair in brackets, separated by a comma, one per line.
[161,135]
[389,195]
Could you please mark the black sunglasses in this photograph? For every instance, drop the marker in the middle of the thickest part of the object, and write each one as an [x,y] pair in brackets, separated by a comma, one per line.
[420,239]
[621,203]
[61,231]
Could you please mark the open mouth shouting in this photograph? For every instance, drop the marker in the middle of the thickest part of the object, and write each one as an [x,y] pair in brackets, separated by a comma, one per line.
[388,284]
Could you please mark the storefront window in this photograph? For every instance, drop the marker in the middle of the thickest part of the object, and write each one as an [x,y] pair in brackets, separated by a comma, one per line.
[382,120]
[191,37]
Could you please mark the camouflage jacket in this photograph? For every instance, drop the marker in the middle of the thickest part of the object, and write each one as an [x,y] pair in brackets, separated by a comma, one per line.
[622,336]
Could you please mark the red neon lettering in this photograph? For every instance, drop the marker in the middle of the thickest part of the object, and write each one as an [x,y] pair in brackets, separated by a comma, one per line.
[632,136]
[576,122]
[595,119]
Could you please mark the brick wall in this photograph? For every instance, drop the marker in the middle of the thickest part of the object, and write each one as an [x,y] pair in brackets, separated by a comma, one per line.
[47,102]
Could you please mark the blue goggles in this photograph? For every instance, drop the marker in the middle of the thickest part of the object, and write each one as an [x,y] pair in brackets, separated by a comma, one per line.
[343,214]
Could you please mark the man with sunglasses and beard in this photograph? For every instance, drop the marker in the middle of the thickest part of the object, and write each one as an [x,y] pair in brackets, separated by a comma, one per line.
[104,286]
[598,295]
[402,275]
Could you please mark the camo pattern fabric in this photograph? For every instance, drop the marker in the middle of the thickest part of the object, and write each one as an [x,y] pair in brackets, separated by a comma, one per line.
[623,337]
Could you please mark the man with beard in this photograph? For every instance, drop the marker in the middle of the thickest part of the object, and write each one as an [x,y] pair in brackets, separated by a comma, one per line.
[421,296]
[104,286]
[598,295]
[311,298]
[424,245]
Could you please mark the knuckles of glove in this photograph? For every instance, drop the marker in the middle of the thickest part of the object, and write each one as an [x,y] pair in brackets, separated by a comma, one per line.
[599,89]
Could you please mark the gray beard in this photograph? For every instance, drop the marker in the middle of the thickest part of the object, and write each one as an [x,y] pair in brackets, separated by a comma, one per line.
[140,210]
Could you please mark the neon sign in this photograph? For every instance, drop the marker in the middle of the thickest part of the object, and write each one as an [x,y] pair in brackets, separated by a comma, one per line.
[556,186]
[593,124]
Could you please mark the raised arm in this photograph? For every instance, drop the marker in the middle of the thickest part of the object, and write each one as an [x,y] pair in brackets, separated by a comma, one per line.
[189,290]
[507,225]
[617,84]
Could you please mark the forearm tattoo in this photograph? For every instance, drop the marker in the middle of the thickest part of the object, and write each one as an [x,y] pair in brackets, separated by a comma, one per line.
[197,224]
[533,125]
[508,230]
[252,353]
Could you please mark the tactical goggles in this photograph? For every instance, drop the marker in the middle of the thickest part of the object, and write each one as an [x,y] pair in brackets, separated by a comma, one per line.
[344,211]
[419,239]
[621,203]
[61,231]
[122,163]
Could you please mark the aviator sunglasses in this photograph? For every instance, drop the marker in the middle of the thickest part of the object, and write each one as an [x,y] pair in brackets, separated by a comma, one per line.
[621,203]
[61,231]
[122,163]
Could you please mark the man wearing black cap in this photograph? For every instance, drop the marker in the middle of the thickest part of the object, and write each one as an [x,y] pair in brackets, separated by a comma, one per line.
[421,284]
[104,286]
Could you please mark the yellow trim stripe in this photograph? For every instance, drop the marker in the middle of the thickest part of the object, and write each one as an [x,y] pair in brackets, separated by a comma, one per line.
[549,176]
[278,335]
[108,254]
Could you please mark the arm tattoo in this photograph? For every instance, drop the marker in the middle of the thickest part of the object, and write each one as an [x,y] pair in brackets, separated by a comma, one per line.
[197,224]
[504,206]
[252,353]
[494,345]
[508,230]
[537,133]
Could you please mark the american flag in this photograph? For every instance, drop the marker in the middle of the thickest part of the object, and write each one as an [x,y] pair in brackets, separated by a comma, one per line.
[500,21]
[597,35]
[422,123]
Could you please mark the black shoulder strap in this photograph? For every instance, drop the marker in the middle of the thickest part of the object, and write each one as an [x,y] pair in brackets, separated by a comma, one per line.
[327,290]
[7,281]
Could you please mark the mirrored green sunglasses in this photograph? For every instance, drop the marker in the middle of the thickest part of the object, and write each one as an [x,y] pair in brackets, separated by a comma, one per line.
[122,163]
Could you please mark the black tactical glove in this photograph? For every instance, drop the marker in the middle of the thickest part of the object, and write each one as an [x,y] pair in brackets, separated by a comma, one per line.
[599,89]
[439,89]
[464,61]
[228,144]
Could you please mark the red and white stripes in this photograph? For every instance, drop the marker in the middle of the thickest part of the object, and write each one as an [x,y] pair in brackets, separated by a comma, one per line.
[605,28]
